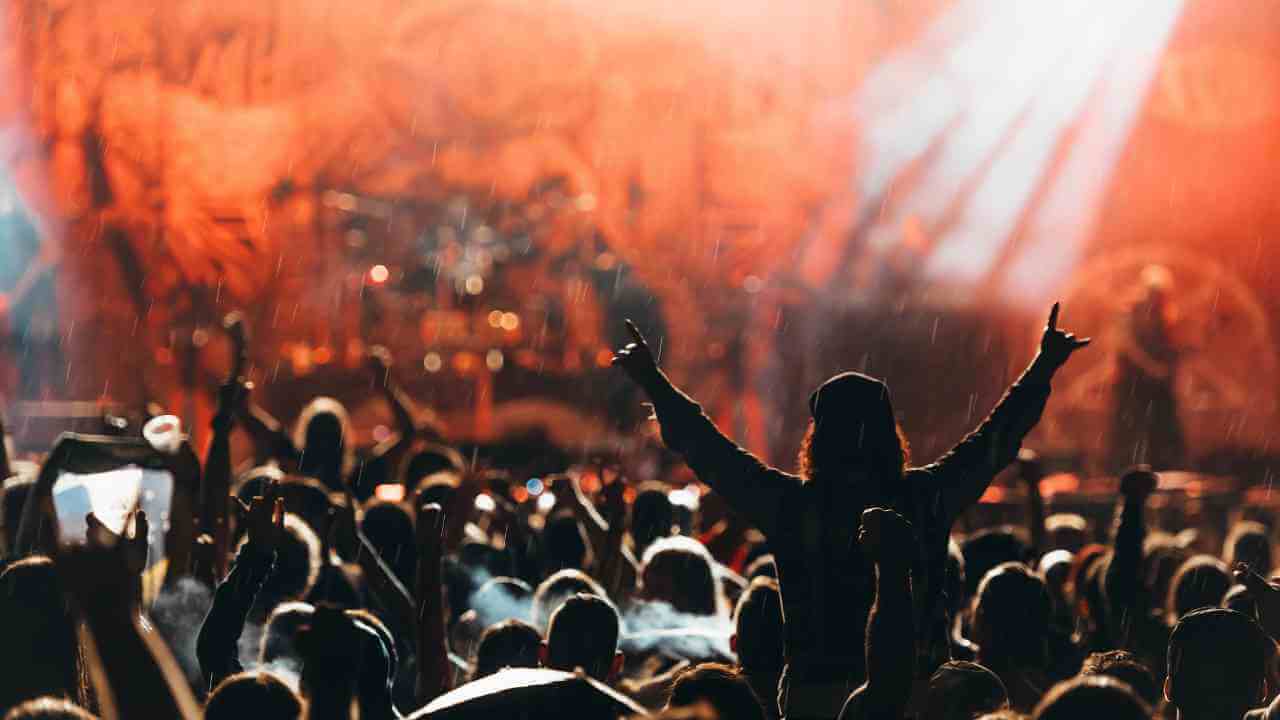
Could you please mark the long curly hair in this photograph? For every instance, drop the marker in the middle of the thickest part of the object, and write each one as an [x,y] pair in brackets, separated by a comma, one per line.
[885,459]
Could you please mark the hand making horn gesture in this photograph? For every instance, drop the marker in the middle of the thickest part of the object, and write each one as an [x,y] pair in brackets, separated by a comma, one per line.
[1056,345]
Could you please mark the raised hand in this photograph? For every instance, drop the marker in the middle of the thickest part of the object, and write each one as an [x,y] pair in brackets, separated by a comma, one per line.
[1138,482]
[886,536]
[264,518]
[379,361]
[635,358]
[133,549]
[232,398]
[1056,345]
[104,573]
[1265,595]
[429,528]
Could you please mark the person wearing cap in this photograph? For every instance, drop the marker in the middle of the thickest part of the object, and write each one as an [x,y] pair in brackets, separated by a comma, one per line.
[854,456]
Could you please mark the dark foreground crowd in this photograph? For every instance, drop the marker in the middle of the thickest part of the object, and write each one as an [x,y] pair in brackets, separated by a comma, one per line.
[409,580]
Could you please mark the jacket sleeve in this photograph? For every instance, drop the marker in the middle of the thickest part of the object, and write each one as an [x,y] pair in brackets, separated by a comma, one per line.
[752,488]
[217,646]
[966,471]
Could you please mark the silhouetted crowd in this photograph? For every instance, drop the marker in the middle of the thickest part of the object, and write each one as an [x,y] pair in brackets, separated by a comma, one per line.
[413,580]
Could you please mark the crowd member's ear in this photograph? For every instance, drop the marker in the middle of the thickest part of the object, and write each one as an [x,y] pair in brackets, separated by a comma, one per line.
[543,654]
[615,668]
[733,643]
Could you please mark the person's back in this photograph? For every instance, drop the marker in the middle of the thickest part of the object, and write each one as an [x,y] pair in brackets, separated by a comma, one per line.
[758,640]
[853,457]
[39,632]
[583,633]
[1010,625]
[1217,664]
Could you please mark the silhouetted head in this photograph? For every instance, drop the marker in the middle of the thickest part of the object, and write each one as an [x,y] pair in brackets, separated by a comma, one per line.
[1202,581]
[1066,531]
[853,430]
[389,528]
[1011,615]
[1091,697]
[510,643]
[39,634]
[959,690]
[323,436]
[1128,669]
[439,488]
[721,687]
[988,548]
[1249,543]
[678,570]
[1217,663]
[559,587]
[253,694]
[563,543]
[280,633]
[583,633]
[49,708]
[651,515]
[758,633]
[428,461]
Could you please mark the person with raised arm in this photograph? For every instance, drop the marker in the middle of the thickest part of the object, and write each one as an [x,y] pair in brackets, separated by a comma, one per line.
[888,542]
[322,445]
[217,644]
[853,457]
[134,673]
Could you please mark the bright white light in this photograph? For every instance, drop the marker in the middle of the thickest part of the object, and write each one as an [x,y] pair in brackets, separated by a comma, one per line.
[963,128]
[546,502]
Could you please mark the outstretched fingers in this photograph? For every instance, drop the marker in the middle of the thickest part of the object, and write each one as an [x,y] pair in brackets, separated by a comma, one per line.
[1053,316]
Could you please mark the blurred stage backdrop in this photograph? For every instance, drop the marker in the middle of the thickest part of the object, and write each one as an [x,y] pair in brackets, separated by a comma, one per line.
[774,191]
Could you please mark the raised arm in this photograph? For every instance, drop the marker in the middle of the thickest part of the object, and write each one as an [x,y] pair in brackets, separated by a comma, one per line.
[215,488]
[218,641]
[752,488]
[269,436]
[887,539]
[402,406]
[1122,581]
[433,650]
[1031,472]
[968,469]
[615,564]
[133,672]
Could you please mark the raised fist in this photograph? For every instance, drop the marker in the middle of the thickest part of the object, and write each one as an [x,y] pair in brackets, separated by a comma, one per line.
[886,536]
[1138,482]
